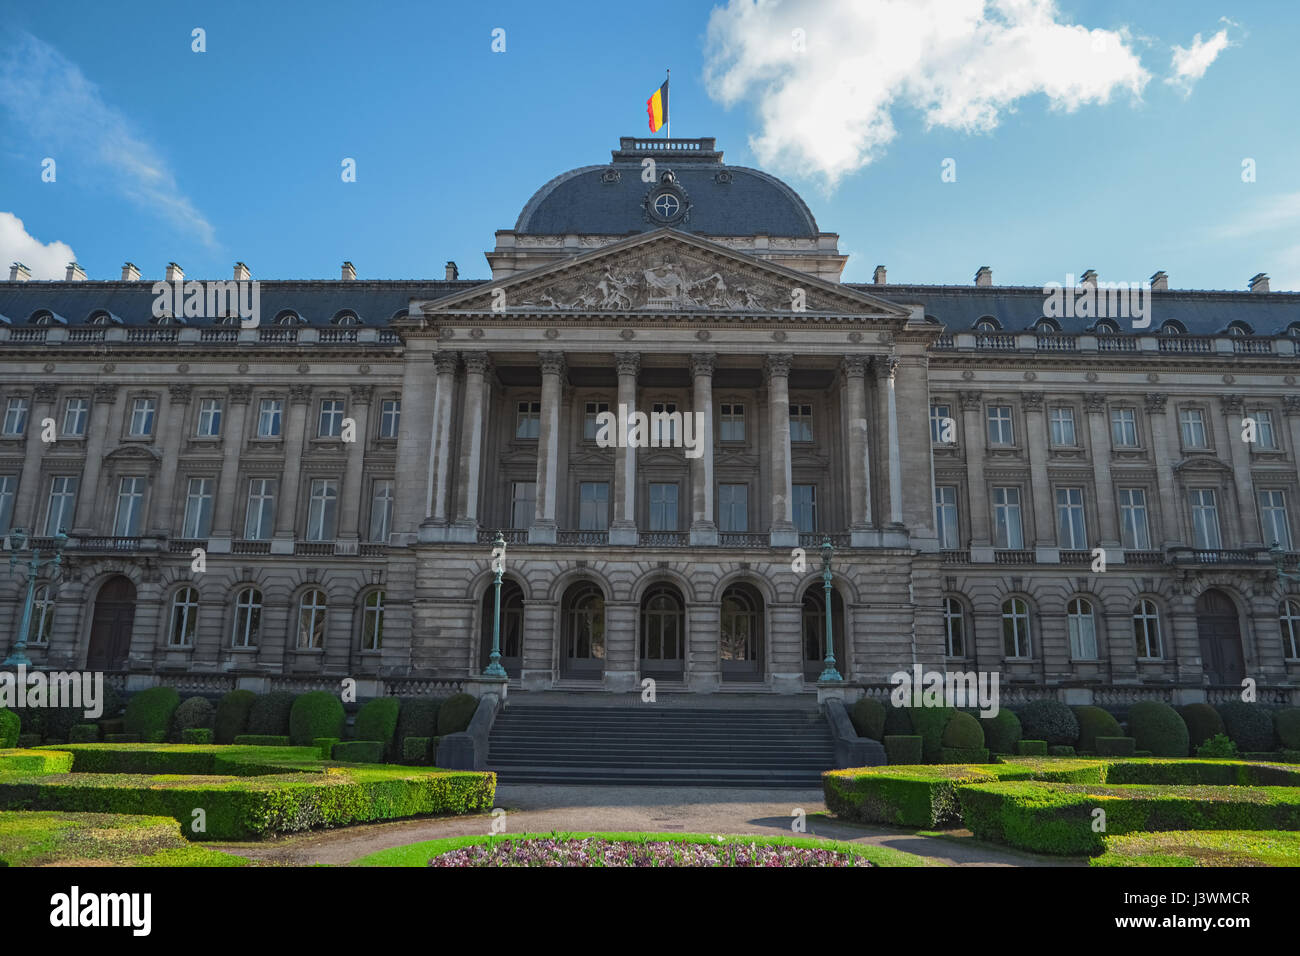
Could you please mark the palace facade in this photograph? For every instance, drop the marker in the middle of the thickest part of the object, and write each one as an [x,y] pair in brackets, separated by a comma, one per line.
[1080,503]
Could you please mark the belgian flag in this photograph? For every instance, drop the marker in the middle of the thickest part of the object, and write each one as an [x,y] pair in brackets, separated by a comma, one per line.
[657,108]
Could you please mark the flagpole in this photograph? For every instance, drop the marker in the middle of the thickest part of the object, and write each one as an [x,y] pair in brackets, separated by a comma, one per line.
[668,120]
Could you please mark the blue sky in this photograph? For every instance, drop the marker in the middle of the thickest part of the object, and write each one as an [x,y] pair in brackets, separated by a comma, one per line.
[1119,163]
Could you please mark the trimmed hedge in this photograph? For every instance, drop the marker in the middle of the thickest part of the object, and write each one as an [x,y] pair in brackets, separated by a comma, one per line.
[35,761]
[1203,722]
[232,715]
[905,749]
[415,750]
[262,740]
[29,740]
[149,713]
[898,722]
[10,728]
[868,716]
[418,717]
[325,745]
[358,751]
[84,734]
[1060,750]
[1249,726]
[193,713]
[1158,728]
[317,713]
[1002,731]
[910,797]
[929,724]
[269,715]
[121,738]
[1115,746]
[962,733]
[114,725]
[1286,725]
[196,735]
[377,720]
[242,761]
[1050,721]
[1032,748]
[964,755]
[1095,722]
[455,713]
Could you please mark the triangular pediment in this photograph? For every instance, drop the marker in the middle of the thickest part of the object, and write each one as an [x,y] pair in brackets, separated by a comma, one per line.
[659,272]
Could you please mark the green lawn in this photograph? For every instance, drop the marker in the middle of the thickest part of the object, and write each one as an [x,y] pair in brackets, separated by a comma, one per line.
[100,839]
[1203,848]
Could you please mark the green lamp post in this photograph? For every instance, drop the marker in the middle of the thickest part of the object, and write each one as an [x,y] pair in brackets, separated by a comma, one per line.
[18,542]
[494,668]
[830,673]
[1279,562]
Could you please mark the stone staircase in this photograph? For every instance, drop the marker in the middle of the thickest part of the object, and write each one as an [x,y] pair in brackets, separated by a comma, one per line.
[657,745]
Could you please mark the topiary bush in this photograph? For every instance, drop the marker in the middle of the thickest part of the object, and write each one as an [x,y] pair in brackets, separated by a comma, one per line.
[1116,746]
[898,722]
[377,720]
[194,713]
[10,728]
[868,716]
[123,739]
[1158,728]
[1095,722]
[269,715]
[1249,726]
[262,740]
[903,749]
[929,724]
[231,718]
[1217,746]
[325,745]
[455,714]
[1002,731]
[149,713]
[1032,748]
[358,751]
[83,734]
[963,733]
[1286,725]
[196,735]
[317,713]
[1050,721]
[418,717]
[1202,721]
[415,750]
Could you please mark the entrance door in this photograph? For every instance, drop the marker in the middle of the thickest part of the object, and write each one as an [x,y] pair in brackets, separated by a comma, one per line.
[110,628]
[740,641]
[1217,627]
[663,633]
[512,626]
[583,629]
[814,632]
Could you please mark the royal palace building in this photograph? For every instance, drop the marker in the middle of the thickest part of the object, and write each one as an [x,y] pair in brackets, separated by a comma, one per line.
[1073,498]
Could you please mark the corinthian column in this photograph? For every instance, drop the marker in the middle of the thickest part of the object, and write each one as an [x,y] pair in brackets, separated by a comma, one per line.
[777,368]
[548,448]
[854,370]
[24,512]
[471,448]
[704,531]
[623,528]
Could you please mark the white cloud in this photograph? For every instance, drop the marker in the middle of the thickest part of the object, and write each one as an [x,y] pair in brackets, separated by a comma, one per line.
[1272,222]
[1190,63]
[46,260]
[57,107]
[828,109]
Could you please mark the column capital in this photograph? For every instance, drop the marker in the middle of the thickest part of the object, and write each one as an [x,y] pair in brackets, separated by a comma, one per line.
[476,363]
[1231,404]
[1032,401]
[1094,401]
[1155,401]
[777,364]
[1291,404]
[47,393]
[445,362]
[552,363]
[627,363]
[241,394]
[362,394]
[300,394]
[855,365]
[702,363]
[180,394]
[969,400]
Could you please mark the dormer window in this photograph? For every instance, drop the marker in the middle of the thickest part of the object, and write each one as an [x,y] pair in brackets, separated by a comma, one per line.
[1046,327]
[288,318]
[1172,328]
[987,324]
[1106,327]
[99,318]
[42,318]
[1240,328]
[226,320]
[346,319]
[1293,330]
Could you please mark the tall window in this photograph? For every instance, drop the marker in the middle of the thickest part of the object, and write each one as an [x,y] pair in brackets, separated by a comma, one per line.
[42,623]
[1070,531]
[142,414]
[665,422]
[185,618]
[311,620]
[1007,533]
[1146,629]
[381,510]
[590,419]
[1272,519]
[1265,436]
[198,508]
[999,422]
[209,418]
[1133,519]
[1062,422]
[390,417]
[801,424]
[372,622]
[663,507]
[1205,519]
[323,509]
[942,425]
[731,421]
[1083,630]
[62,503]
[8,486]
[1290,618]
[733,508]
[75,415]
[270,414]
[945,516]
[804,507]
[1123,427]
[15,423]
[523,504]
[259,523]
[528,423]
[331,418]
[593,506]
[1015,628]
[248,618]
[130,507]
[1191,421]
[954,626]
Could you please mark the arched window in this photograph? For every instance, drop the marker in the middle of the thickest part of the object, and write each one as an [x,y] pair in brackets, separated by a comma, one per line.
[663,629]
[584,631]
[248,618]
[38,631]
[185,618]
[99,318]
[1240,328]
[43,317]
[741,624]
[165,319]
[1293,330]
[1172,328]
[512,626]
[311,620]
[288,317]
[814,631]
[1291,629]
[1146,629]
[346,319]
[1106,327]
[1046,326]
[987,324]
[372,622]
[1083,630]
[1015,628]
[954,628]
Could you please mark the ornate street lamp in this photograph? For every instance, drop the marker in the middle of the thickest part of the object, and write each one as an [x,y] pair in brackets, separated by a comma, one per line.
[18,542]
[494,668]
[1279,563]
[830,673]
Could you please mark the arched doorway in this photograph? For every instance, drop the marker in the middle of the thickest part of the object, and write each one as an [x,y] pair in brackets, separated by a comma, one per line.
[1219,630]
[512,626]
[740,639]
[582,626]
[814,632]
[663,633]
[110,625]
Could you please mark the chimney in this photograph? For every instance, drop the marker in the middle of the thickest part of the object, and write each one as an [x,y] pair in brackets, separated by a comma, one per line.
[1159,282]
[452,272]
[19,273]
[75,273]
[129,272]
[175,273]
[879,277]
[349,272]
[241,272]
[984,277]
[1089,278]
[1259,282]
